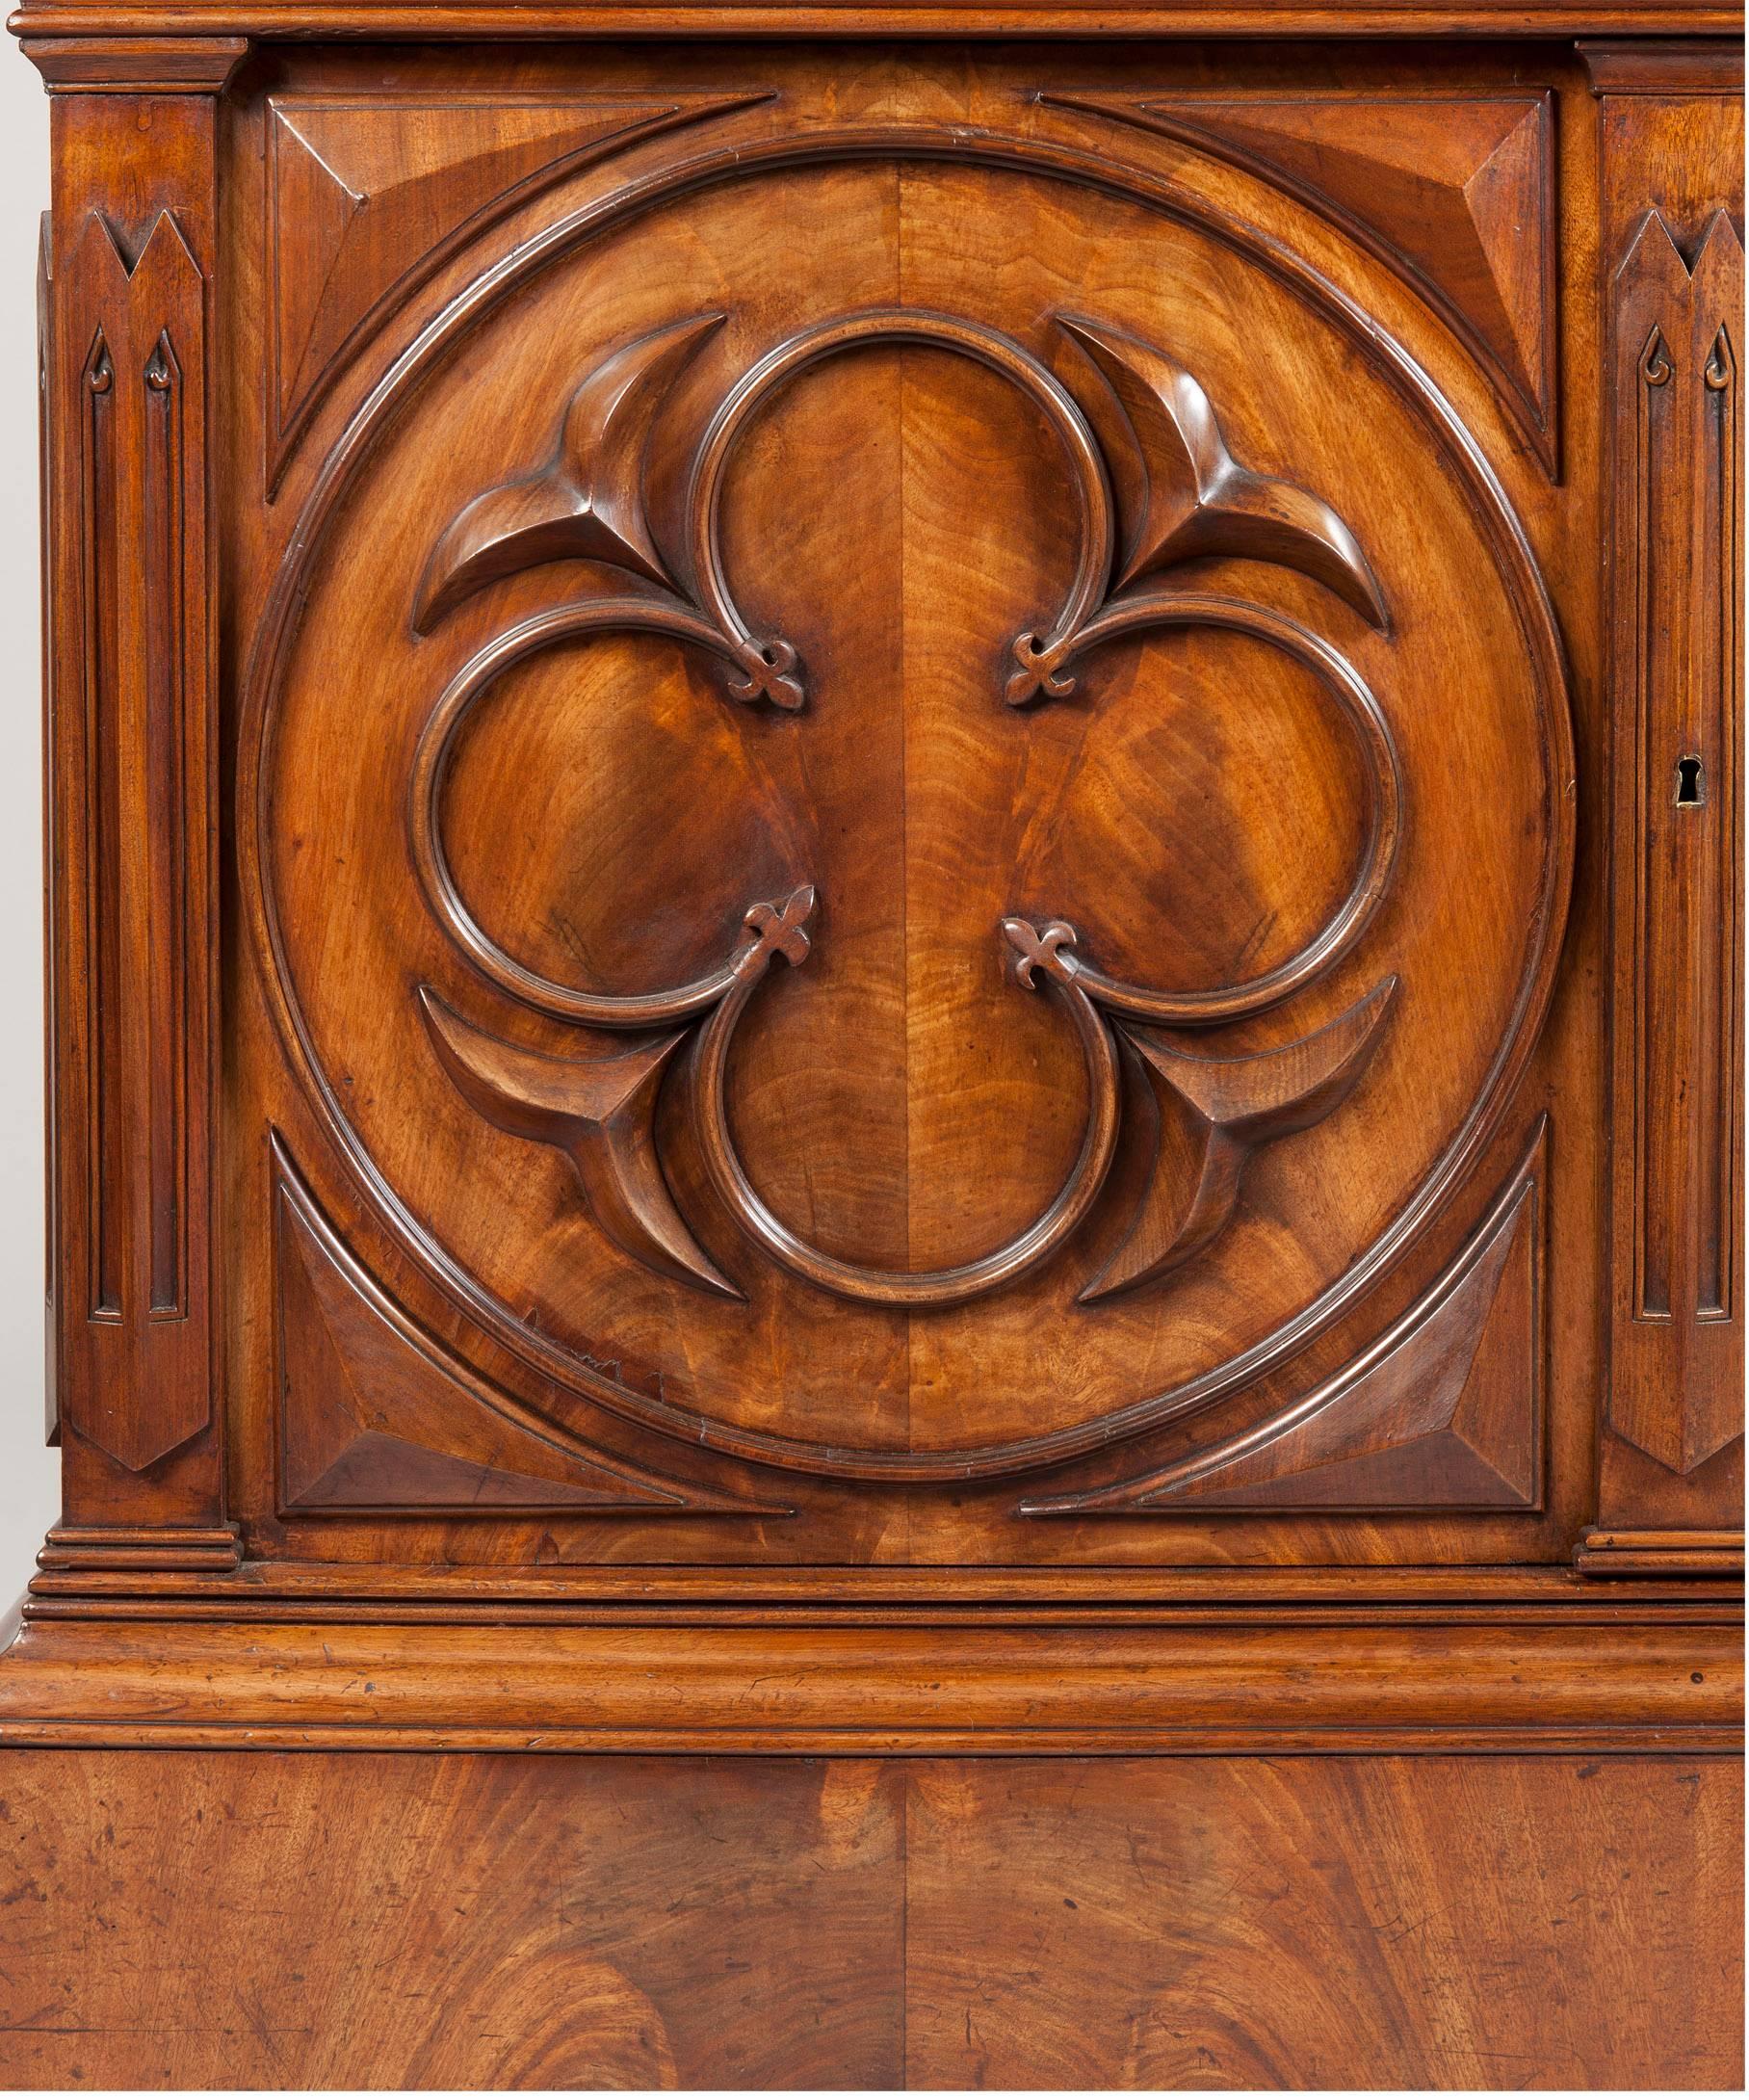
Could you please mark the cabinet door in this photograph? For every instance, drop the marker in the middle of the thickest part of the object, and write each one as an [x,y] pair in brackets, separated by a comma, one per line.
[905,795]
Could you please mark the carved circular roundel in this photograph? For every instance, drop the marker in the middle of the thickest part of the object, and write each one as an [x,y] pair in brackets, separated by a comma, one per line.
[1153,959]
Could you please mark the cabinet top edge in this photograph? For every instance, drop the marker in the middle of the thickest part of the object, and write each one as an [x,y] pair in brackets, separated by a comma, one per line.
[503,19]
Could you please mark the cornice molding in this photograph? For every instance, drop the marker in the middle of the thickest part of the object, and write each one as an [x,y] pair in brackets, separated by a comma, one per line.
[75,64]
[501,19]
[1663,65]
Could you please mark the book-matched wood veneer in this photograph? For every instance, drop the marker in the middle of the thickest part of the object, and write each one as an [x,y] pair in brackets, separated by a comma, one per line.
[812,810]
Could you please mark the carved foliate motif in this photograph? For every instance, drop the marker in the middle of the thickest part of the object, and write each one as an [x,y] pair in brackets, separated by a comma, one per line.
[1193,500]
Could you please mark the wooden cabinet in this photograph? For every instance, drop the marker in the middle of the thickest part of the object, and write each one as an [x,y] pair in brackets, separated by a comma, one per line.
[896,905]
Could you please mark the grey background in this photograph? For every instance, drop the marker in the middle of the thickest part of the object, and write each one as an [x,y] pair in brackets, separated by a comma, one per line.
[29,1479]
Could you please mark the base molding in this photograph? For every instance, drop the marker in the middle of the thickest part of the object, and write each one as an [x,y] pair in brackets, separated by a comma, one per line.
[1580,1677]
[1715,1554]
[138,1549]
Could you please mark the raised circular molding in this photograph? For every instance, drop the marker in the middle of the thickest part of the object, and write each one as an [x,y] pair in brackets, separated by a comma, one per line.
[1486,504]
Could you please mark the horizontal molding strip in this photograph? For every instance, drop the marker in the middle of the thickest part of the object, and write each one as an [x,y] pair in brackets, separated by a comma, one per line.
[364,1588]
[1610,1684]
[503,19]
[362,1591]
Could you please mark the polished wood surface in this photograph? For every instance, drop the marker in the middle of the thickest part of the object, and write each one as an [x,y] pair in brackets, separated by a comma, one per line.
[859,926]
[552,1922]
[896,887]
[893,1162]
[902,1678]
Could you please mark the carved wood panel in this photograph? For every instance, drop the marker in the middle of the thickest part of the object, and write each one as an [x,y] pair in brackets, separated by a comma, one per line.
[1676,1389]
[130,726]
[1444,1409]
[990,580]
[369,195]
[1454,190]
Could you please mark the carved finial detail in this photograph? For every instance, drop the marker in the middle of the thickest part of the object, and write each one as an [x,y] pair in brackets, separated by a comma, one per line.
[1037,948]
[1655,365]
[767,674]
[782,928]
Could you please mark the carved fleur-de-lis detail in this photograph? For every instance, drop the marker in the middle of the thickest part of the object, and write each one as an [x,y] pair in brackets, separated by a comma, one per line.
[764,671]
[1040,948]
[586,504]
[782,930]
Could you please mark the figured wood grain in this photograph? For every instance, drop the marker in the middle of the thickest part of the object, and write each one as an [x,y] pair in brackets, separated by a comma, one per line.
[375,1415]
[1444,1409]
[688,447]
[1196,807]
[1456,192]
[1394,1922]
[1276,577]
[544,1922]
[454,1922]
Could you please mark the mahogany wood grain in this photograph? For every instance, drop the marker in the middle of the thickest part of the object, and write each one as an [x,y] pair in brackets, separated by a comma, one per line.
[895,873]
[459,1923]
[525,1922]
[1156,530]
[1262,1923]
[868,1679]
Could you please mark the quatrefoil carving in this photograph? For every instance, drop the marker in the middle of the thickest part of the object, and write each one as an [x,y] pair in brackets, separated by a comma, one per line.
[586,503]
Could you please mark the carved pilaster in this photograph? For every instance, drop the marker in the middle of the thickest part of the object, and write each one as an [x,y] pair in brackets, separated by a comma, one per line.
[1671,1452]
[131,810]
[1677,1391]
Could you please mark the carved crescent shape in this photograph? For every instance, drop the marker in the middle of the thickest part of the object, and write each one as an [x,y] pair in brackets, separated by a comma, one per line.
[1199,500]
[600,1115]
[916,1289]
[1235,1105]
[586,503]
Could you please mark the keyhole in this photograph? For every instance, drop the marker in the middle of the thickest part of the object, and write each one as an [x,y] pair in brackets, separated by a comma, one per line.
[1690,784]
